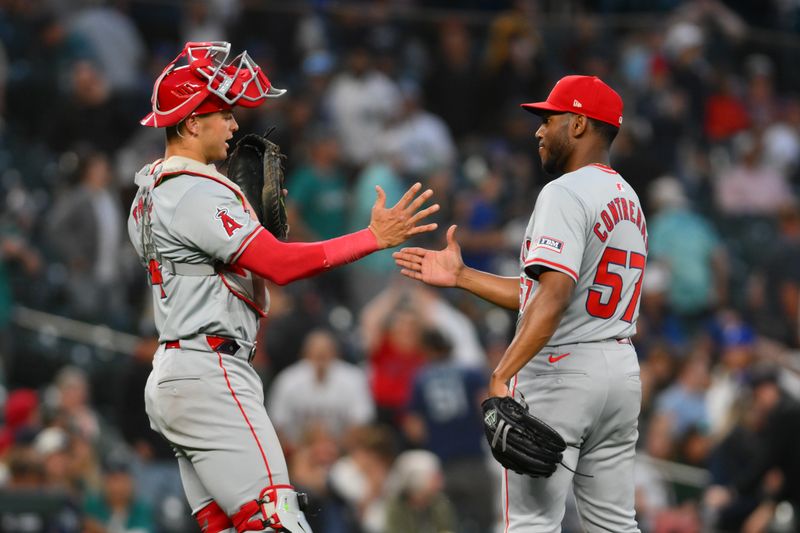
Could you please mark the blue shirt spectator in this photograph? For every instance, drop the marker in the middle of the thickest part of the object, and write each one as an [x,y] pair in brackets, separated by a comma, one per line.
[445,395]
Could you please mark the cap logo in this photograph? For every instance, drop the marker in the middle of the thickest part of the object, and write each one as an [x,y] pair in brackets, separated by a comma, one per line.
[186,89]
[620,120]
[576,103]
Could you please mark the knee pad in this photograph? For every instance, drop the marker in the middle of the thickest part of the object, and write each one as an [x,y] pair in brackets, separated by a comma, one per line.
[212,519]
[278,507]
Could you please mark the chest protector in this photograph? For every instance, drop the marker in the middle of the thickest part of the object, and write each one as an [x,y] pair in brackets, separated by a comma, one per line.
[241,283]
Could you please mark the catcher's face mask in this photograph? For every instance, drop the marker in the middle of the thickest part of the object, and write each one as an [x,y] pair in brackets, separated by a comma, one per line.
[207,83]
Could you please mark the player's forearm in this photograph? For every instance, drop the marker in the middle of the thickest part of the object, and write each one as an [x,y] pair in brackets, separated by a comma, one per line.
[282,262]
[539,322]
[498,290]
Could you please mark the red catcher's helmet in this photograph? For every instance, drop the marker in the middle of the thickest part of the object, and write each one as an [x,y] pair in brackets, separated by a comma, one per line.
[207,84]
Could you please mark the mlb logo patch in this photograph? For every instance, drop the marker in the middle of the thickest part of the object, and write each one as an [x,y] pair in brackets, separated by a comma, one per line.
[551,244]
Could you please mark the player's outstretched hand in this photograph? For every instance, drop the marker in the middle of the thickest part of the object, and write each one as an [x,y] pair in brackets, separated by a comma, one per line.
[395,225]
[440,268]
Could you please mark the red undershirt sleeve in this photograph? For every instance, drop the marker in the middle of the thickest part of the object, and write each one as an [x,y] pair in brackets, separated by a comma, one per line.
[284,262]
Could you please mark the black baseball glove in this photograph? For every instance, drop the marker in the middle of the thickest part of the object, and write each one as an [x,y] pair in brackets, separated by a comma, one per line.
[256,166]
[520,441]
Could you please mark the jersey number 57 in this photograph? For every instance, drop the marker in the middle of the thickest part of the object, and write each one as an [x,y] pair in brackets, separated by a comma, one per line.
[614,281]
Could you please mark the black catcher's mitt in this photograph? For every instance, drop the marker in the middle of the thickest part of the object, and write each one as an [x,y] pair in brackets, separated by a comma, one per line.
[256,166]
[520,441]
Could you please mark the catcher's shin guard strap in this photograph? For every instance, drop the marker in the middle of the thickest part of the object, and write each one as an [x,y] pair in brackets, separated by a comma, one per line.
[277,508]
[212,519]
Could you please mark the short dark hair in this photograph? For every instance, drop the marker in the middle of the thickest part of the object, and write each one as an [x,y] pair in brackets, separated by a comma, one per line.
[607,132]
[172,132]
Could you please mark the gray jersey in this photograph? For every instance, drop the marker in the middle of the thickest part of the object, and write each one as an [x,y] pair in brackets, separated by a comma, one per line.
[588,225]
[196,220]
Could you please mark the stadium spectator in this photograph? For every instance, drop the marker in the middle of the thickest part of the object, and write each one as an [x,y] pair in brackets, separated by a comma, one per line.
[737,354]
[776,295]
[689,247]
[361,100]
[361,477]
[454,66]
[85,231]
[418,503]
[319,201]
[116,509]
[21,415]
[371,274]
[318,206]
[420,140]
[72,403]
[115,44]
[750,186]
[310,464]
[335,394]
[444,416]
[680,409]
[91,116]
[394,357]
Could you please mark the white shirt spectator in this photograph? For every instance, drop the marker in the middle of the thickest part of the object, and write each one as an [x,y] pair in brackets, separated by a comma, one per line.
[460,331]
[750,186]
[320,389]
[782,146]
[116,44]
[360,107]
[752,191]
[422,143]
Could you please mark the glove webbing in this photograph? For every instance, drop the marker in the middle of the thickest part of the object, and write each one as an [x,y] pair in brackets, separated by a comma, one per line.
[503,428]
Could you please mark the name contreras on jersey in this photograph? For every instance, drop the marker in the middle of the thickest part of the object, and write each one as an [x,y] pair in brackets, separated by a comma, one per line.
[620,209]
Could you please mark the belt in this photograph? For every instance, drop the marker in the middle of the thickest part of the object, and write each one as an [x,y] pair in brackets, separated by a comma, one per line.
[223,345]
[625,340]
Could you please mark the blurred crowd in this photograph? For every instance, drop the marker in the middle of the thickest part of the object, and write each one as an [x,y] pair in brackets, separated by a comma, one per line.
[373,382]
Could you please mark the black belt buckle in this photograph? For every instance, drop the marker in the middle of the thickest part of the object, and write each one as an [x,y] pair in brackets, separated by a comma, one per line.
[228,347]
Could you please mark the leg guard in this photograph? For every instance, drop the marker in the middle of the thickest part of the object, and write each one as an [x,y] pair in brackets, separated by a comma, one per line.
[278,508]
[212,519]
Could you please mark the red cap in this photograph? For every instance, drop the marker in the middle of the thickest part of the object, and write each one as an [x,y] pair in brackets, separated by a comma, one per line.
[582,95]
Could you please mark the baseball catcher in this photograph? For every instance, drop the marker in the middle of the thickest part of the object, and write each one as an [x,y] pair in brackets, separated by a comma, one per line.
[520,441]
[201,237]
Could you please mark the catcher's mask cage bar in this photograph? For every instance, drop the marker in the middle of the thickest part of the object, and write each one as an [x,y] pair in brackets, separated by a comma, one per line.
[224,80]
[209,60]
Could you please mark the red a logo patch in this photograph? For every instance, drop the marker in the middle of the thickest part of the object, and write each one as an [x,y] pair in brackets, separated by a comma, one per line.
[230,225]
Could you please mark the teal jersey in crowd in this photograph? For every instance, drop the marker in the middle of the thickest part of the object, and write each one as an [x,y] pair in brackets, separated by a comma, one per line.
[139,518]
[685,242]
[322,201]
